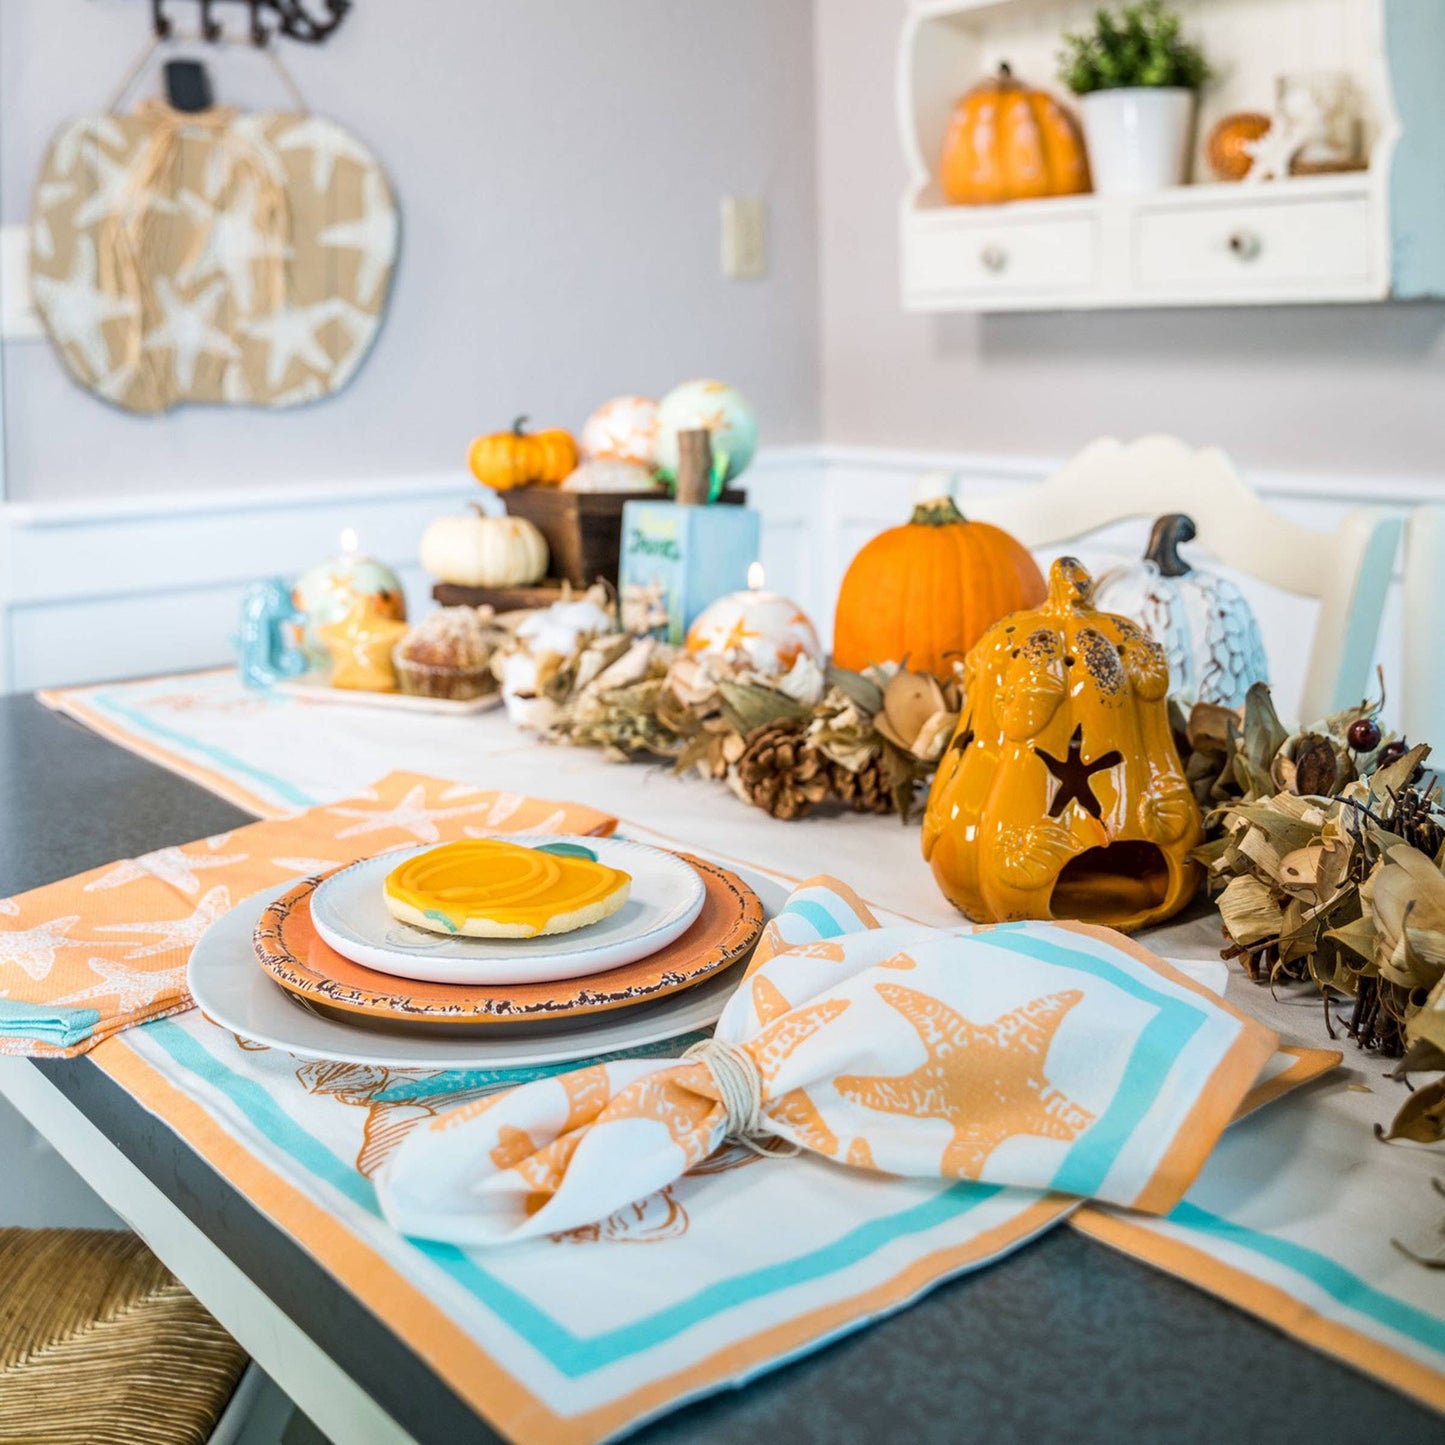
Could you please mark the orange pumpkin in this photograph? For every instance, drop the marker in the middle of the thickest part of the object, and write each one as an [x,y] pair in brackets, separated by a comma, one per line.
[1061,794]
[506,459]
[1006,142]
[928,589]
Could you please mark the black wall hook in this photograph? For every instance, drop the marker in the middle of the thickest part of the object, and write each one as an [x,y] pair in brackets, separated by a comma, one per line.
[295,19]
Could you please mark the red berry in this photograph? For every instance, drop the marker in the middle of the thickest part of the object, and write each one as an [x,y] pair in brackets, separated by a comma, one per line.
[1393,752]
[1364,735]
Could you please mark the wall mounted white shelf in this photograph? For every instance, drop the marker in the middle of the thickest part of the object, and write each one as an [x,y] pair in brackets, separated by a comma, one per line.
[1358,236]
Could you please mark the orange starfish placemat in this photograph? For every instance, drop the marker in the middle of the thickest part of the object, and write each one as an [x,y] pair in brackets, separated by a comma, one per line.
[85,957]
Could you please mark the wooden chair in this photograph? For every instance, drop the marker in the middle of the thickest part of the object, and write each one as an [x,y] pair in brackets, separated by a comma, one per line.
[1422,653]
[1347,571]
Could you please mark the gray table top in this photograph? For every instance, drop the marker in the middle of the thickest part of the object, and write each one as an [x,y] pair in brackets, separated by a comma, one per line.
[1066,1339]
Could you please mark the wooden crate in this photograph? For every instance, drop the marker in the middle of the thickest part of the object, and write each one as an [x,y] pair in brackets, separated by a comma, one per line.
[584,529]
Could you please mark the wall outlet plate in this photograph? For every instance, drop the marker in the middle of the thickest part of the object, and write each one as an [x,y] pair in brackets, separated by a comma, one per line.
[744,238]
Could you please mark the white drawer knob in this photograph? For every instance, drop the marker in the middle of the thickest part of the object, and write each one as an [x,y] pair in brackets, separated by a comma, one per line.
[1246,245]
[993,258]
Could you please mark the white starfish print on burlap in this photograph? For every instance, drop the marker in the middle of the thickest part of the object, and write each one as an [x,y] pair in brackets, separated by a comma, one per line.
[411,815]
[290,335]
[76,308]
[176,932]
[170,865]
[111,180]
[95,130]
[233,241]
[373,233]
[328,143]
[189,329]
[34,949]
[48,195]
[133,988]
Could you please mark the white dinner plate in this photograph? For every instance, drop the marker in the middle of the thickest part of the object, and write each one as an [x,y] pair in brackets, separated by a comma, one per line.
[350,914]
[232,990]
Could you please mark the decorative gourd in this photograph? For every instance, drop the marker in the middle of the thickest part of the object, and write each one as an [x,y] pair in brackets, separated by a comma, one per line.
[600,474]
[1207,630]
[506,459]
[621,430]
[1061,795]
[1007,142]
[927,590]
[475,550]
[716,408]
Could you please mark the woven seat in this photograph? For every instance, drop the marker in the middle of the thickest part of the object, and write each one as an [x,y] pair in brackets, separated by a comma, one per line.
[101,1345]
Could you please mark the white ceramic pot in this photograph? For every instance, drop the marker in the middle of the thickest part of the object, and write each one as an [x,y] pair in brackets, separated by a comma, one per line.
[1139,138]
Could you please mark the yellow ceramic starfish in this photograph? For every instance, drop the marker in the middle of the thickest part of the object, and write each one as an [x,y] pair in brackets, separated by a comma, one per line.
[360,645]
[987,1080]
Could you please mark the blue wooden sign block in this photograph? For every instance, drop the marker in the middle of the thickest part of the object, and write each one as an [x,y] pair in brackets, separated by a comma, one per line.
[677,559]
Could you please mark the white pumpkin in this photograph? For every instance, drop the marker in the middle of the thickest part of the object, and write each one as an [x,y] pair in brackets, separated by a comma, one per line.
[1202,621]
[600,474]
[475,550]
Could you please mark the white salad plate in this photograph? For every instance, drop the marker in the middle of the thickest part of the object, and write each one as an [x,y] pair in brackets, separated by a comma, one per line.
[233,991]
[350,914]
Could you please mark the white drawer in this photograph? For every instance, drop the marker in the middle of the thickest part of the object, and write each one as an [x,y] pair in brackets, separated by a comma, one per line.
[1264,243]
[997,256]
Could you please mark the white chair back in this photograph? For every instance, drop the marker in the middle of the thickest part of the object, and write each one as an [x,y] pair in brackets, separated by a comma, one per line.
[1347,571]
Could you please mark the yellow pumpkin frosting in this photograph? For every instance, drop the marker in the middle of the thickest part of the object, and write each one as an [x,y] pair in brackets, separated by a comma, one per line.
[485,888]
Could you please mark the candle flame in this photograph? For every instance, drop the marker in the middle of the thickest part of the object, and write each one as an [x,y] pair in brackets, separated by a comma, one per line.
[755,577]
[350,543]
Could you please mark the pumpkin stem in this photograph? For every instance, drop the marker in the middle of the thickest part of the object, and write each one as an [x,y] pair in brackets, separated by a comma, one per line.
[1163,549]
[1005,72]
[518,427]
[1070,584]
[936,512]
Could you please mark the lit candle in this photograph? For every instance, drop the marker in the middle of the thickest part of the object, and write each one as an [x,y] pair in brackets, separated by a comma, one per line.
[328,591]
[762,631]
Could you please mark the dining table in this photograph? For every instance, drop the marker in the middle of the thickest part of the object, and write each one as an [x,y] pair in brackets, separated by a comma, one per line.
[1067,1339]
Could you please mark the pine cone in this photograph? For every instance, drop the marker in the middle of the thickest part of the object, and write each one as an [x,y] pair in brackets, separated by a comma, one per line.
[866,791]
[779,772]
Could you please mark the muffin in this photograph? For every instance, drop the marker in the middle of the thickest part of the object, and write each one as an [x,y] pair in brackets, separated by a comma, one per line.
[448,654]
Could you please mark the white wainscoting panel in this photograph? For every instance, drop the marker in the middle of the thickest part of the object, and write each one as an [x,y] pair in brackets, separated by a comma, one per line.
[125,588]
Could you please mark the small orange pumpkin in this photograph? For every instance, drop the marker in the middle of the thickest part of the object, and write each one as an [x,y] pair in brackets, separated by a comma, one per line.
[1007,142]
[928,589]
[1061,794]
[506,459]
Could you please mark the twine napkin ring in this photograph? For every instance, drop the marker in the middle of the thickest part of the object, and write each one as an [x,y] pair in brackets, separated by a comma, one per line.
[740,1092]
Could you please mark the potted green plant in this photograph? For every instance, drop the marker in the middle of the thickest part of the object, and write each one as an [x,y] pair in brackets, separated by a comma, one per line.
[1136,76]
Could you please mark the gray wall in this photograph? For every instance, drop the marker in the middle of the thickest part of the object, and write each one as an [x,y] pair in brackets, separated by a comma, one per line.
[1357,389]
[559,165]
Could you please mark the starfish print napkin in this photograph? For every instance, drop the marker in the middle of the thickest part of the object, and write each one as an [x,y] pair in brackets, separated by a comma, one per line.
[1055,1057]
[85,957]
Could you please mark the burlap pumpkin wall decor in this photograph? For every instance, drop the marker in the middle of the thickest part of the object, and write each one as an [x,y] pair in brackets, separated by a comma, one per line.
[1061,794]
[211,256]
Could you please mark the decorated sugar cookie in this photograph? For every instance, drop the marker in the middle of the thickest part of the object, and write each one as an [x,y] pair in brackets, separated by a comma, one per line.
[485,888]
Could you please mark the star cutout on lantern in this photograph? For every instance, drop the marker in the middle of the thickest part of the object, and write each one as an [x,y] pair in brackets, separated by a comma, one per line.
[1076,776]
[170,865]
[411,815]
[986,1080]
[188,329]
[132,988]
[76,309]
[176,932]
[373,233]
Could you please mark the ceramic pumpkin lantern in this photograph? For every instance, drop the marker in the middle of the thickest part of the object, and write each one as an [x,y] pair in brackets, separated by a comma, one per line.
[1006,142]
[927,590]
[1201,619]
[1061,795]
[622,430]
[517,458]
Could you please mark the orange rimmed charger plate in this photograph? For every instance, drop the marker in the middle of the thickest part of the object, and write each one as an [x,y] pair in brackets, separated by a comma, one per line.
[290,950]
